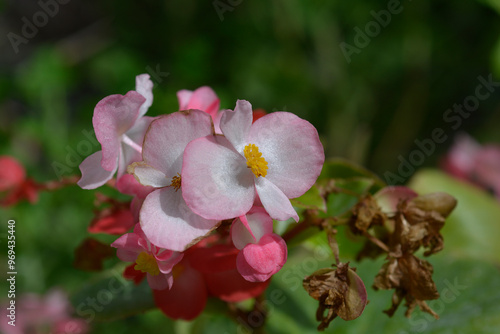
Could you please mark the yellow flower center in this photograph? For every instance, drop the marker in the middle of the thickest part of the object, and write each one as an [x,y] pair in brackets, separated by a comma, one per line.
[147,264]
[255,161]
[176,182]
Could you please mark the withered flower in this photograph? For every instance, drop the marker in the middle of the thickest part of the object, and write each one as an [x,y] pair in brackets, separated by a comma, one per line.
[339,291]
[411,277]
[366,214]
[419,221]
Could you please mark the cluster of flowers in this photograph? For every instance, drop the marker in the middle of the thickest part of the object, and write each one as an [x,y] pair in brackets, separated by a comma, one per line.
[50,313]
[196,171]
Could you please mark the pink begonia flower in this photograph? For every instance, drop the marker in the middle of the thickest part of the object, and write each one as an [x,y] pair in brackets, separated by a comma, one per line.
[203,98]
[263,253]
[470,161]
[42,314]
[276,158]
[460,160]
[119,125]
[155,261]
[165,218]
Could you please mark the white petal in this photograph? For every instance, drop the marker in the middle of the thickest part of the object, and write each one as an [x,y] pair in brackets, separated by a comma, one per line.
[168,223]
[235,125]
[274,200]
[168,136]
[93,175]
[144,86]
[292,149]
[147,175]
[216,182]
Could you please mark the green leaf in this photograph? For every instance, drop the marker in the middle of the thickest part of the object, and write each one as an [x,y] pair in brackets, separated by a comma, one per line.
[468,302]
[112,297]
[350,190]
[339,168]
[208,323]
[473,228]
[312,199]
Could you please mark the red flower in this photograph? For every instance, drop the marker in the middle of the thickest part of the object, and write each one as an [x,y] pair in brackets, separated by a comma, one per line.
[115,220]
[258,113]
[14,186]
[205,271]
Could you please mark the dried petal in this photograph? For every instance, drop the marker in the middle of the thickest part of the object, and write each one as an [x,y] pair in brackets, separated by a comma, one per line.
[412,279]
[339,291]
[366,214]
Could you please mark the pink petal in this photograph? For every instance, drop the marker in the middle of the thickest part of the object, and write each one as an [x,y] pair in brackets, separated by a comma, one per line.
[168,263]
[235,125]
[93,175]
[218,265]
[168,136]
[128,247]
[144,86]
[258,262]
[217,123]
[138,230]
[127,184]
[70,326]
[160,281]
[113,116]
[460,160]
[135,207]
[203,98]
[259,222]
[216,182]
[292,149]
[487,167]
[183,96]
[56,305]
[274,200]
[169,223]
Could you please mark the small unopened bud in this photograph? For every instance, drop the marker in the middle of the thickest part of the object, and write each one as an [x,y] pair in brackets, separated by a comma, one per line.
[440,202]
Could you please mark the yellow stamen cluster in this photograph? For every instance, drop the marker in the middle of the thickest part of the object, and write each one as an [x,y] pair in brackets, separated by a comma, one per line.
[147,264]
[176,182]
[255,161]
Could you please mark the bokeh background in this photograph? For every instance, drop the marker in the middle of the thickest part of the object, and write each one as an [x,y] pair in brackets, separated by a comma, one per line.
[279,55]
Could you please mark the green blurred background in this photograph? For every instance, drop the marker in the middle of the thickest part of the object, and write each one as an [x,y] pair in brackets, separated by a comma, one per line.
[278,54]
